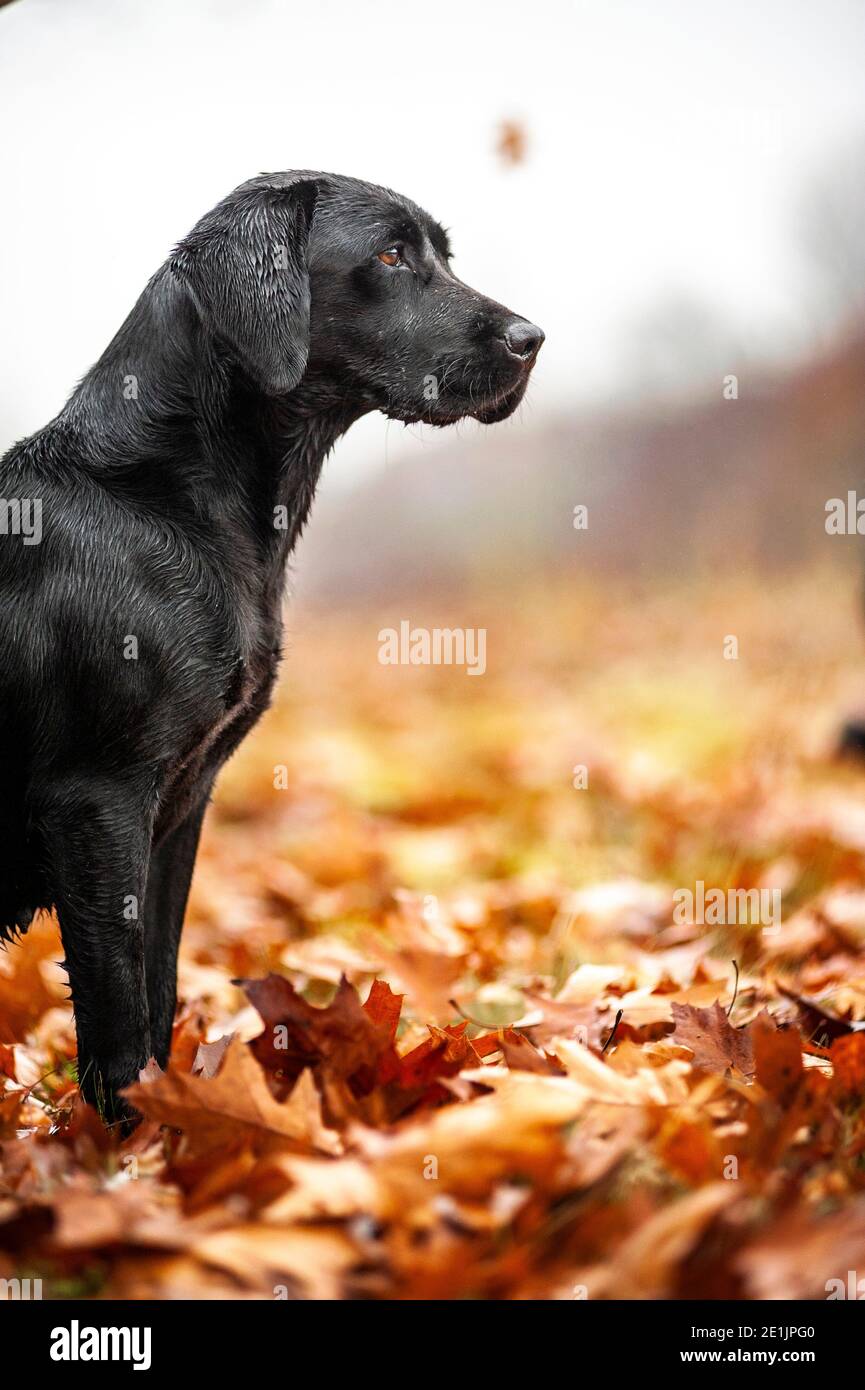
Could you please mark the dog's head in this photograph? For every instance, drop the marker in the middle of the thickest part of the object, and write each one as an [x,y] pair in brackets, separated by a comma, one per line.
[348,286]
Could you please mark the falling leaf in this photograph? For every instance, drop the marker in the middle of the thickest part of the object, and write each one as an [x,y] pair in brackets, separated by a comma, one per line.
[511,142]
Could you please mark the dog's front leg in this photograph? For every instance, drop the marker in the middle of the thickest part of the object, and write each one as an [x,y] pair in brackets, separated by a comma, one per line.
[97,839]
[168,881]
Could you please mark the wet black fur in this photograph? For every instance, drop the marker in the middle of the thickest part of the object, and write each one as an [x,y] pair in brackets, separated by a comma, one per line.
[174,485]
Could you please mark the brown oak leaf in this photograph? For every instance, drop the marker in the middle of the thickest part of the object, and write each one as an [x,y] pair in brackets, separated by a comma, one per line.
[236,1102]
[716,1045]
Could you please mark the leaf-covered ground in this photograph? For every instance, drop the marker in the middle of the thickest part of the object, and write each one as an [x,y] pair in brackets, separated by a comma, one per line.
[473,1052]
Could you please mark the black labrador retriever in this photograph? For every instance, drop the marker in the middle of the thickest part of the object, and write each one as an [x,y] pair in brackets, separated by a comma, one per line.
[145,536]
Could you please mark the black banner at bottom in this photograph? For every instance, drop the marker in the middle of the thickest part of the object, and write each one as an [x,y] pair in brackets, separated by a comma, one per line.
[177,1337]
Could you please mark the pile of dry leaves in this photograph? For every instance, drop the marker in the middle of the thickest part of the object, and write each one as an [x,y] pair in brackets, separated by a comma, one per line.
[443,1034]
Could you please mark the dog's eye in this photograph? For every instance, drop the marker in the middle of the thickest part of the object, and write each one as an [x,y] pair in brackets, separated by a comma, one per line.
[392,256]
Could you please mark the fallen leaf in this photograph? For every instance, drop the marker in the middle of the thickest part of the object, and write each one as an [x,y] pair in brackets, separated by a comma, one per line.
[234,1103]
[715,1044]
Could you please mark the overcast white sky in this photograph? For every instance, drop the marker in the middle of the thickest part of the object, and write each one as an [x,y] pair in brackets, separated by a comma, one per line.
[668,142]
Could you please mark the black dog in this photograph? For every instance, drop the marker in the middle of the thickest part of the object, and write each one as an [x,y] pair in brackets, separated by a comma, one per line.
[141,634]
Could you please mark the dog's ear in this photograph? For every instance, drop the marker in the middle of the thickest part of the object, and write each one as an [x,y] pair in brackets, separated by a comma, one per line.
[245,265]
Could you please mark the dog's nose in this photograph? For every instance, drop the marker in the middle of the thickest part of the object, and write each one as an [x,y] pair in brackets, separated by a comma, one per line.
[524,339]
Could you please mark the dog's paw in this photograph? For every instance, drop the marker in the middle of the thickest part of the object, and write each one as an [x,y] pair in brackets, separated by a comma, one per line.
[101,1087]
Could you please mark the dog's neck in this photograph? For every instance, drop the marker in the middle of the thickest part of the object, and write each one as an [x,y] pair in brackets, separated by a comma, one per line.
[301,429]
[168,416]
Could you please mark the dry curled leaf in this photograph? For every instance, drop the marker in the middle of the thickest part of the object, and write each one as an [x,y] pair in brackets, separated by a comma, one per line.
[234,1103]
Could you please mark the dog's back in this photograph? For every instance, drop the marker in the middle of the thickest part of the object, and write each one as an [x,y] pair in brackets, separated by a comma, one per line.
[22,889]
